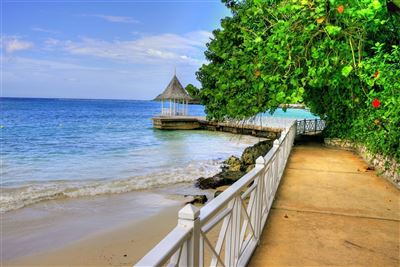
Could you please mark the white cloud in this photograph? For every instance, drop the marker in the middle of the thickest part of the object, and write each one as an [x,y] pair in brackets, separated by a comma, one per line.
[13,44]
[138,68]
[79,78]
[157,49]
[111,18]
[31,64]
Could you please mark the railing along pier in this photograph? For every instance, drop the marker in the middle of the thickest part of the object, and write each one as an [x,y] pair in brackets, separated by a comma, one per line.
[238,214]
[310,126]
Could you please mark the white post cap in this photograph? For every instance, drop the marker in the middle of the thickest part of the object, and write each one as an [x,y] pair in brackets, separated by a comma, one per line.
[189,212]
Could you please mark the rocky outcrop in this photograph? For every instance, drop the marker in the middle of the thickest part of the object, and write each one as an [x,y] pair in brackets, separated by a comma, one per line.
[234,168]
[250,154]
[232,164]
[197,199]
[220,179]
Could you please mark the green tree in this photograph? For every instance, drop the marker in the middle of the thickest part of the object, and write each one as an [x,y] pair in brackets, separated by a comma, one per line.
[277,52]
[193,91]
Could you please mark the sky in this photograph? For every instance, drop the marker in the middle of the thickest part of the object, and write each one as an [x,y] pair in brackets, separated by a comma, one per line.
[103,49]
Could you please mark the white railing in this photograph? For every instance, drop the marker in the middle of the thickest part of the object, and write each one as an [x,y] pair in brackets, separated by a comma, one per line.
[303,126]
[263,121]
[226,231]
[310,126]
[171,112]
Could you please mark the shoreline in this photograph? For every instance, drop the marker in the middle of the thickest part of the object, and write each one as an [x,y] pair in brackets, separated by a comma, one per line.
[116,229]
[152,176]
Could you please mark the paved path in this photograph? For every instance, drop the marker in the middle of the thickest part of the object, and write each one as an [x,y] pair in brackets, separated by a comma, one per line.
[330,210]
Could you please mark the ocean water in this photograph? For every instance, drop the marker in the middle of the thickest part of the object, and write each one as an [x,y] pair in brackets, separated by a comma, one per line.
[62,148]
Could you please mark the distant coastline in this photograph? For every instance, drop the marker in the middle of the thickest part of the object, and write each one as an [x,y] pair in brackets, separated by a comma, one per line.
[294,106]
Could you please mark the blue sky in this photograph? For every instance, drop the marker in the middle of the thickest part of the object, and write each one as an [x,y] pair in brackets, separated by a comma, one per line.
[103,49]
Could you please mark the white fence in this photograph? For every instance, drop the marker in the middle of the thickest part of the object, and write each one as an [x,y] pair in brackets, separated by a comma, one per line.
[171,112]
[303,126]
[310,126]
[236,217]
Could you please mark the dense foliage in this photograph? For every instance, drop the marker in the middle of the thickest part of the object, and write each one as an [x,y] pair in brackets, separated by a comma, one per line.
[336,56]
[193,91]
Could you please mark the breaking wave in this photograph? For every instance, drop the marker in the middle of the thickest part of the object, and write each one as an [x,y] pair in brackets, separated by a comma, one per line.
[16,198]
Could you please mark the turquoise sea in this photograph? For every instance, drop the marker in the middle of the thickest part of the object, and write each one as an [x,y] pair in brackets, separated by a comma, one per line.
[63,148]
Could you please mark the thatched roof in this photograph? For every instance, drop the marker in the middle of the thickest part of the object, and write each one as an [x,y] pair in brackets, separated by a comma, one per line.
[174,90]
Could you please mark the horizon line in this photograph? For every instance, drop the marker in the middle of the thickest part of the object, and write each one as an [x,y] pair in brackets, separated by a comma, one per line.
[72,98]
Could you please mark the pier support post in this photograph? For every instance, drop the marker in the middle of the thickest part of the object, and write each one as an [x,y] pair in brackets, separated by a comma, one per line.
[188,217]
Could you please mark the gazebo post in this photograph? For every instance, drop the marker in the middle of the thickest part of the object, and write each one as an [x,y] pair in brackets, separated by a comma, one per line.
[170,107]
[162,106]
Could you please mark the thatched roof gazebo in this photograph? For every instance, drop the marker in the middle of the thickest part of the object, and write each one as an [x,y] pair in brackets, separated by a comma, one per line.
[178,99]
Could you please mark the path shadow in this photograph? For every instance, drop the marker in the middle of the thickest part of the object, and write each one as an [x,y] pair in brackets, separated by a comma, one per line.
[309,139]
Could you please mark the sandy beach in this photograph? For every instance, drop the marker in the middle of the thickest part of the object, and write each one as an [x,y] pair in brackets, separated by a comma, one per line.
[122,246]
[114,230]
[107,231]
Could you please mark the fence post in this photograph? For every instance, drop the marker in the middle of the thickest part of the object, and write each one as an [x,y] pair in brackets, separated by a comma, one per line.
[188,217]
[315,126]
[304,130]
[276,161]
[260,164]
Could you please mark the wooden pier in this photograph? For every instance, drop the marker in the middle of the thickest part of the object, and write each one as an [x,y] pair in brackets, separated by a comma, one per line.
[200,123]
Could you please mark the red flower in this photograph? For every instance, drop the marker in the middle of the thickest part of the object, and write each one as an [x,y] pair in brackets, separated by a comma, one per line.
[376,74]
[376,103]
[340,9]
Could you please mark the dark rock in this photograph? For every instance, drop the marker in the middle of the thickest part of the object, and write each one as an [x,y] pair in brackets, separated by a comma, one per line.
[250,154]
[232,164]
[220,179]
[198,199]
[234,168]
[211,182]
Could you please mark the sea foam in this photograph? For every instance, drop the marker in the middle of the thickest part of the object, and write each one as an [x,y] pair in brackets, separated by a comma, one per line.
[16,198]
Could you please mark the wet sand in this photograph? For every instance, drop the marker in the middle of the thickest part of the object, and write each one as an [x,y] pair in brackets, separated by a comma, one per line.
[99,231]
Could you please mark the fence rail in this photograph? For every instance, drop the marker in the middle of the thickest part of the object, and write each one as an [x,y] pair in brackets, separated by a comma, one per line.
[171,112]
[310,126]
[238,214]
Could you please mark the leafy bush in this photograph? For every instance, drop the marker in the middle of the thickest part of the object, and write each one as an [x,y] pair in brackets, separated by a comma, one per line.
[193,91]
[323,52]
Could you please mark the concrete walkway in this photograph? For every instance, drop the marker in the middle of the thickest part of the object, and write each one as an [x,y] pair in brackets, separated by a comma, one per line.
[331,210]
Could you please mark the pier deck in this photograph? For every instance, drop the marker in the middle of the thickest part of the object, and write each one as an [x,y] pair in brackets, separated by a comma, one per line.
[330,210]
[200,123]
